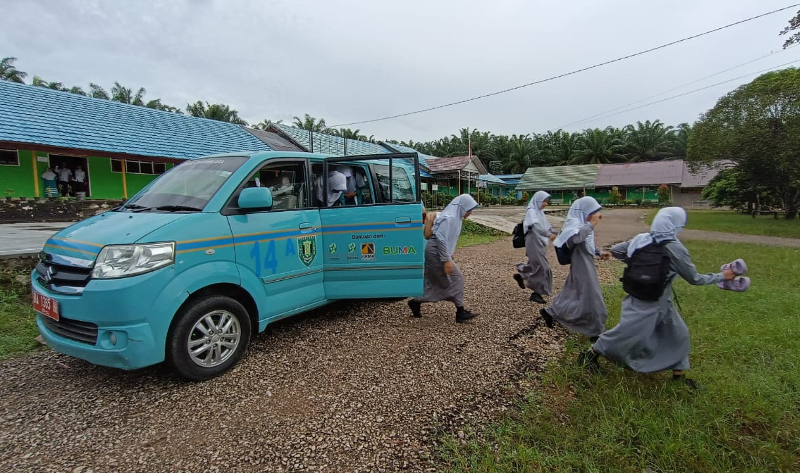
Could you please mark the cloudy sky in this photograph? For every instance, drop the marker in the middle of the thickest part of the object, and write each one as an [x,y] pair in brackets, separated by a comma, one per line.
[349,60]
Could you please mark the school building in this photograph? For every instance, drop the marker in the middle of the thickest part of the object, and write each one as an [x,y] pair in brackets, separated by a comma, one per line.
[122,148]
[634,181]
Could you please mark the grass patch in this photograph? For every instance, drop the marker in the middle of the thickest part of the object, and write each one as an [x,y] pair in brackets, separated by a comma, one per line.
[476,234]
[17,318]
[734,222]
[745,350]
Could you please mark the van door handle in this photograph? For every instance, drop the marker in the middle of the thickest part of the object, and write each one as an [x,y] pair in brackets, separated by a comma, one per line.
[402,221]
[306,227]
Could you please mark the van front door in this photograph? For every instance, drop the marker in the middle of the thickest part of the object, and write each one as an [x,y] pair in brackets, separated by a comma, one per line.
[280,246]
[372,243]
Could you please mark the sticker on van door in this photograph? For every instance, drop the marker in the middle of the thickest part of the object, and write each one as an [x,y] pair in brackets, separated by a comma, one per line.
[307,249]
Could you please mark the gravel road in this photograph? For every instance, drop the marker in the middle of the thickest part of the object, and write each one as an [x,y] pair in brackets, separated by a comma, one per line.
[352,387]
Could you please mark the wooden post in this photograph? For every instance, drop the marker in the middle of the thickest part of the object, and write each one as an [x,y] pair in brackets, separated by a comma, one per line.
[124,181]
[35,175]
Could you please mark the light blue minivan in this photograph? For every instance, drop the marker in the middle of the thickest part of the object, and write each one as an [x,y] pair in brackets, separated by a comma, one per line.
[219,247]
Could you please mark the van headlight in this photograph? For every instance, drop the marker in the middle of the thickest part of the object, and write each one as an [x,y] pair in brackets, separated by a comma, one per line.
[121,261]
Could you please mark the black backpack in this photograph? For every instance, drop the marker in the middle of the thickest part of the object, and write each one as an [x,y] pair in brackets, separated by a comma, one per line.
[518,241]
[647,273]
[564,254]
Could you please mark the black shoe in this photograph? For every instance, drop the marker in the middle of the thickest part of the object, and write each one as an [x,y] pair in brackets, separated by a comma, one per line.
[593,339]
[519,280]
[537,298]
[548,319]
[588,360]
[689,382]
[464,315]
[415,308]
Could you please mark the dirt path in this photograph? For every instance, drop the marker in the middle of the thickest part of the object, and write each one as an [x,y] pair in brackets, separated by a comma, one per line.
[354,387]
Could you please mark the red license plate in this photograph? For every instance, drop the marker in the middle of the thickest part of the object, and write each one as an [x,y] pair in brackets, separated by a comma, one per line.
[46,306]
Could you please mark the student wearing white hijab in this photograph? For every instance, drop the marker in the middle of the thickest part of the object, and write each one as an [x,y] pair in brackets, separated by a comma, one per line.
[337,184]
[579,306]
[350,192]
[536,274]
[443,279]
[651,335]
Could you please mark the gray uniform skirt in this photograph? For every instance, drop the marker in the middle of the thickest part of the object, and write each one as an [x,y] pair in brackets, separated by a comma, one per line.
[440,286]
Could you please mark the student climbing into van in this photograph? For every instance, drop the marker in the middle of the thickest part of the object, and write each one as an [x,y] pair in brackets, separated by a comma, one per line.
[651,335]
[443,279]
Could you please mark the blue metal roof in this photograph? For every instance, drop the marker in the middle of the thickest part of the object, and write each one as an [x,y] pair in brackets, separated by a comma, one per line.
[491,179]
[329,144]
[43,116]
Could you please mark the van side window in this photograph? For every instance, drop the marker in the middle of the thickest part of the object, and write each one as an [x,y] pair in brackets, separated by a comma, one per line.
[286,181]
[400,189]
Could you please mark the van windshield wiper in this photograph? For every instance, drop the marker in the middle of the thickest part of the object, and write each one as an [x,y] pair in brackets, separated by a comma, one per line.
[134,207]
[176,208]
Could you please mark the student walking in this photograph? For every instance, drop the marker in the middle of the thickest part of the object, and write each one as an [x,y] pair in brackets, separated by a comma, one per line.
[536,273]
[443,279]
[579,306]
[651,335]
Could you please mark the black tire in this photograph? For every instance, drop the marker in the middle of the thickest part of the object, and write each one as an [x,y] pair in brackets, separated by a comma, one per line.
[217,328]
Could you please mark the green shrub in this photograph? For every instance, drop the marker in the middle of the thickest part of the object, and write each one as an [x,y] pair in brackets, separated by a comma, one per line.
[508,200]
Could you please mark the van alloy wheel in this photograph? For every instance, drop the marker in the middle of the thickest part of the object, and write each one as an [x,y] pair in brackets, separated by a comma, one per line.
[214,338]
[208,336]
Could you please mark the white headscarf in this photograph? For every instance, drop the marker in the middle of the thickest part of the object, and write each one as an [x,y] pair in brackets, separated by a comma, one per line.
[666,225]
[579,211]
[534,213]
[337,184]
[348,174]
[448,221]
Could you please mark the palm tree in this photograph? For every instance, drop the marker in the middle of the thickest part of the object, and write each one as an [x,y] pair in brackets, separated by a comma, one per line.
[10,73]
[311,123]
[266,123]
[648,141]
[77,91]
[39,82]
[678,139]
[597,147]
[157,105]
[126,95]
[348,134]
[98,92]
[216,111]
[522,152]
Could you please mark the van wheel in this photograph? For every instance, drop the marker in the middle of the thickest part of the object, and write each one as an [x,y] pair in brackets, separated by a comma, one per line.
[208,338]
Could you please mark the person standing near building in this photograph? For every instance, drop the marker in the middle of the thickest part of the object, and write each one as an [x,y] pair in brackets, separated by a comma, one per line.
[579,306]
[443,280]
[64,177]
[651,335]
[79,180]
[50,183]
[536,274]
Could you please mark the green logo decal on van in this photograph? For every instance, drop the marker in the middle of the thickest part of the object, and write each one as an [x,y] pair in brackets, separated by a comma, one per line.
[307,249]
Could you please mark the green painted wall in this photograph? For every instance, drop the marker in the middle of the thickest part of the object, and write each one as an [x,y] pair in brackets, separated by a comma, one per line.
[650,193]
[18,181]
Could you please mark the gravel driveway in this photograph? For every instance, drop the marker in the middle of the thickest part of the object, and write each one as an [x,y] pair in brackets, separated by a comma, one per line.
[353,387]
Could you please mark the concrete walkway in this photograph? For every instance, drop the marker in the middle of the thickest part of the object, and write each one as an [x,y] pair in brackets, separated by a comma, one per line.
[18,239]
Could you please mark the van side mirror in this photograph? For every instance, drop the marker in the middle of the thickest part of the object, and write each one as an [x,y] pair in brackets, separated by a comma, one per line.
[255,198]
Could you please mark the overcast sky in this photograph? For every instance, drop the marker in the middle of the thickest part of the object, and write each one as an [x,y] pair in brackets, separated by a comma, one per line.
[349,60]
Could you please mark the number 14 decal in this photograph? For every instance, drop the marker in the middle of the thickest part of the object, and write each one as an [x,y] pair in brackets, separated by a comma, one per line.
[270,261]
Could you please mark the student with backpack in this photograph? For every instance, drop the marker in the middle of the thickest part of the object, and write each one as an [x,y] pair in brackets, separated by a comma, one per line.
[651,335]
[443,279]
[536,274]
[579,306]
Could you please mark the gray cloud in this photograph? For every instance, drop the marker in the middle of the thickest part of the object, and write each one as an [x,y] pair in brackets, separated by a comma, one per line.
[354,60]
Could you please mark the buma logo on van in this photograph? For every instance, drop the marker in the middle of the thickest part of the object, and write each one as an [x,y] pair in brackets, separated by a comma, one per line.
[399,250]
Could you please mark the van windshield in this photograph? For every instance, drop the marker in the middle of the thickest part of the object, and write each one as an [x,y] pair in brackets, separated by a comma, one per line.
[187,187]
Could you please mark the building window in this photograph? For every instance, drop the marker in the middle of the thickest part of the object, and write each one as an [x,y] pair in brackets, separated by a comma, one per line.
[9,157]
[138,167]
